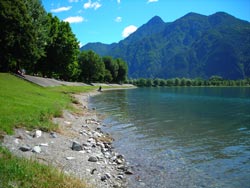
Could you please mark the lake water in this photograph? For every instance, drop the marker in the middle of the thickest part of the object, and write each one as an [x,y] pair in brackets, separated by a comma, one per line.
[181,137]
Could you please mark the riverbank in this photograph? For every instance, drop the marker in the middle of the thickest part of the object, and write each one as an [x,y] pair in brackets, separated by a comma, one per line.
[78,147]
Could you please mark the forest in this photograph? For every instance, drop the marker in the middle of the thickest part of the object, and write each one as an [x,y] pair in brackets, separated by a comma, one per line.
[38,43]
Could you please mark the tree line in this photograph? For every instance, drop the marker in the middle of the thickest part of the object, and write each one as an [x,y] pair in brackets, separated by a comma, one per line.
[41,44]
[212,81]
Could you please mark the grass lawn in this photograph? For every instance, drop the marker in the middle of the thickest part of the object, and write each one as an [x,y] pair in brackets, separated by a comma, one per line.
[23,104]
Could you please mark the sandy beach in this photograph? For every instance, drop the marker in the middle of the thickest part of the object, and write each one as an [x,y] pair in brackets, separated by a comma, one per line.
[78,148]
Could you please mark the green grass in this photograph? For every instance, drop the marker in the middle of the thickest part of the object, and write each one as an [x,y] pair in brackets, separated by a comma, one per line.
[23,104]
[22,173]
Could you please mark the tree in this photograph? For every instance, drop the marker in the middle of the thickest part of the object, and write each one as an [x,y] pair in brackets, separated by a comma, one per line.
[141,82]
[156,82]
[122,71]
[16,33]
[112,66]
[92,67]
[39,21]
[177,81]
[149,82]
[61,51]
[170,82]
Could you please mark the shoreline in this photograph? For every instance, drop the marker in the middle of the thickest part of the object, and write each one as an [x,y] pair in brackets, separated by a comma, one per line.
[79,148]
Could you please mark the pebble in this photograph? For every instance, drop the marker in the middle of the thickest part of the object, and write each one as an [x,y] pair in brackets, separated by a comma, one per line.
[38,133]
[70,158]
[108,175]
[129,172]
[103,178]
[92,159]
[44,144]
[25,148]
[53,135]
[76,146]
[37,149]
[67,122]
[16,141]
[120,177]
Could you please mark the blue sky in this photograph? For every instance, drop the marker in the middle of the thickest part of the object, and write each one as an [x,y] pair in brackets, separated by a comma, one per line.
[109,21]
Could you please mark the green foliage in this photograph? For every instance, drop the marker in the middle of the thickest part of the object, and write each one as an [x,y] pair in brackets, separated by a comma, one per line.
[36,41]
[61,52]
[17,35]
[122,71]
[97,69]
[92,66]
[112,66]
[39,21]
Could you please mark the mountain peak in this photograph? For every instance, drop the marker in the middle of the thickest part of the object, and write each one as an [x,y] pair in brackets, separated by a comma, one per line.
[192,15]
[155,20]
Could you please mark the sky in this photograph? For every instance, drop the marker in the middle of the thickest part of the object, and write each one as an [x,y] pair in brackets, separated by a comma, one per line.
[110,21]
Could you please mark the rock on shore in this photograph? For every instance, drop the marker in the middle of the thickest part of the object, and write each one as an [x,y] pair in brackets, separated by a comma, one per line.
[78,148]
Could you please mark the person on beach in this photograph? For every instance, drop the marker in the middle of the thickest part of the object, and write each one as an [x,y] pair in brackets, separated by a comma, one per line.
[100,89]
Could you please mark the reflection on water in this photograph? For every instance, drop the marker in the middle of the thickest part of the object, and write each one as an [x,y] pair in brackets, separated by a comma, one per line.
[182,137]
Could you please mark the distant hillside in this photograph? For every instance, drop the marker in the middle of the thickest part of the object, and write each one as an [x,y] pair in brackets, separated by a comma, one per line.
[192,46]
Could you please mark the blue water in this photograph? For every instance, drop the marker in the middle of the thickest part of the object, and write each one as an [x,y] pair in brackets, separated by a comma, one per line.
[181,137]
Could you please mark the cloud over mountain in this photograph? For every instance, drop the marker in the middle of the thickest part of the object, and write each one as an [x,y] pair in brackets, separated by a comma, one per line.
[128,30]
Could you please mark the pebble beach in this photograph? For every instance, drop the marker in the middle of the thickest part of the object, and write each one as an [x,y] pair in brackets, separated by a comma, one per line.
[79,147]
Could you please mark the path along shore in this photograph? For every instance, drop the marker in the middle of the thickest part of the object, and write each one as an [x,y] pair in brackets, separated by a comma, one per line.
[78,148]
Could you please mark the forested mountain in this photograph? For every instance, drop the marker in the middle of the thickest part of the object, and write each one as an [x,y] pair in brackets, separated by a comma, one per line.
[192,46]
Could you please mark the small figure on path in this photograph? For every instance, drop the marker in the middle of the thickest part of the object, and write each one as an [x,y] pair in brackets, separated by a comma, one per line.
[100,89]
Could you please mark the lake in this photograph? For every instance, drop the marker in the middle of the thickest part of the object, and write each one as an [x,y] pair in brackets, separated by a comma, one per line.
[181,137]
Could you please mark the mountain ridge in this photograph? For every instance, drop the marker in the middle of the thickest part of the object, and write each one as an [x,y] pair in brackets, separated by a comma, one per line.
[192,46]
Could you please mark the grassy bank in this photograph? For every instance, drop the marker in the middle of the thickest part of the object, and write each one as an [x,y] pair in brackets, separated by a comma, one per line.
[23,104]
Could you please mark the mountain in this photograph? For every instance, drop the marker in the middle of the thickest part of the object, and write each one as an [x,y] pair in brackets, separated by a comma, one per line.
[192,46]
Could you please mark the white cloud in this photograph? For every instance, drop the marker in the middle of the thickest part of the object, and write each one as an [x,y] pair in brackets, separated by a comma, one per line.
[118,19]
[152,1]
[74,19]
[94,5]
[61,9]
[80,44]
[128,31]
[118,1]
[73,1]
